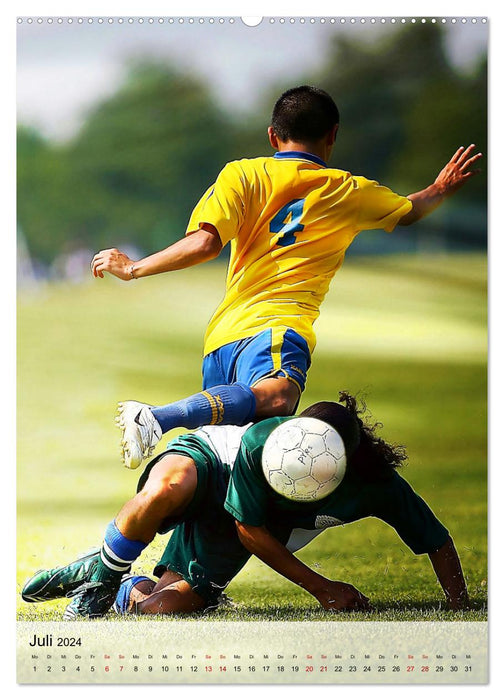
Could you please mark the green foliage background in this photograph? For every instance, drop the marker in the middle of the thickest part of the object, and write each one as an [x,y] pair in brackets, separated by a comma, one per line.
[144,156]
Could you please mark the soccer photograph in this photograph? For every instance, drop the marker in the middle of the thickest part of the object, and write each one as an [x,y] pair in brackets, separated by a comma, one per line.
[252,350]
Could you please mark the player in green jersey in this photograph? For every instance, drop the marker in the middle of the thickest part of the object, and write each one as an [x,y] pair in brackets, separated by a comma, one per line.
[208,488]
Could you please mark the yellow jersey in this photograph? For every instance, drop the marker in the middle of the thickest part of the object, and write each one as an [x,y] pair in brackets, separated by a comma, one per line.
[289,219]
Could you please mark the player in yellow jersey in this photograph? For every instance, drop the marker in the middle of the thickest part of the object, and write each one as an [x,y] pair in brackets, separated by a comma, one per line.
[289,219]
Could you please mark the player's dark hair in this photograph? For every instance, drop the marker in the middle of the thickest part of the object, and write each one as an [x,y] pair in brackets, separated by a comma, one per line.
[304,114]
[374,459]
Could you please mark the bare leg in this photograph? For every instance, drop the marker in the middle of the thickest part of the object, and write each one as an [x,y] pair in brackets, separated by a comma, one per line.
[275,396]
[171,594]
[167,492]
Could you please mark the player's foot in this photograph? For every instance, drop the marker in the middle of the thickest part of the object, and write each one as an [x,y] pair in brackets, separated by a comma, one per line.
[140,432]
[49,584]
[96,595]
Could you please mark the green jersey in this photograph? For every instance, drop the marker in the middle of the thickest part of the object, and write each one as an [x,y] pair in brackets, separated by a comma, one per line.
[251,500]
[204,547]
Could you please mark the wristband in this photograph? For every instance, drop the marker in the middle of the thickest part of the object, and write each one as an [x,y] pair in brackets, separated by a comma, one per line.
[132,272]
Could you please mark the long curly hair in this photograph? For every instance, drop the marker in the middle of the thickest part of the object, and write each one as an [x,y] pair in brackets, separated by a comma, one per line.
[370,457]
[374,459]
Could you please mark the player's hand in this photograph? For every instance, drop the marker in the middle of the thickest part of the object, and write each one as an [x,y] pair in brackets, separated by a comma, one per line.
[460,603]
[336,595]
[458,170]
[112,261]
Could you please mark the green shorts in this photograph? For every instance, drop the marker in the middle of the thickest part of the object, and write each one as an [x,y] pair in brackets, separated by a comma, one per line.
[204,547]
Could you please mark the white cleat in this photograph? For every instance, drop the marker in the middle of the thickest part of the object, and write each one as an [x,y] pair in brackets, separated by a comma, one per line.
[140,432]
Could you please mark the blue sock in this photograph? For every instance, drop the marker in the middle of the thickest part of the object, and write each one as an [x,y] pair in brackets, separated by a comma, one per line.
[227,404]
[118,552]
[122,600]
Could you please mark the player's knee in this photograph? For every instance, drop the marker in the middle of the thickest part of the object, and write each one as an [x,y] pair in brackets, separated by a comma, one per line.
[165,491]
[157,490]
[171,600]
[171,484]
[282,405]
[276,397]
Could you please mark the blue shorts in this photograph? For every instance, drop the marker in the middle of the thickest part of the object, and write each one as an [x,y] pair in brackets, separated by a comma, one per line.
[271,353]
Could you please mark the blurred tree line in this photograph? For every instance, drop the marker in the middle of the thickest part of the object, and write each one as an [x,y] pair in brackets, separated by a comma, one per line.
[144,156]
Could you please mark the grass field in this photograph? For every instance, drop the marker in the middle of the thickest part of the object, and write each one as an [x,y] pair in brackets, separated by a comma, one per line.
[410,332]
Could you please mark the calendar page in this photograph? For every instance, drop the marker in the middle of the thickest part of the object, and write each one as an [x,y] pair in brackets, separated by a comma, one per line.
[252,349]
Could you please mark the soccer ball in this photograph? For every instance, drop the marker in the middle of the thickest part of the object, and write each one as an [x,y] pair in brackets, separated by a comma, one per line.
[304,459]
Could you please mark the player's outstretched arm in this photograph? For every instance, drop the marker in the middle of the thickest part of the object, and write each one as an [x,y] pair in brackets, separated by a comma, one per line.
[451,178]
[446,564]
[202,245]
[332,595]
